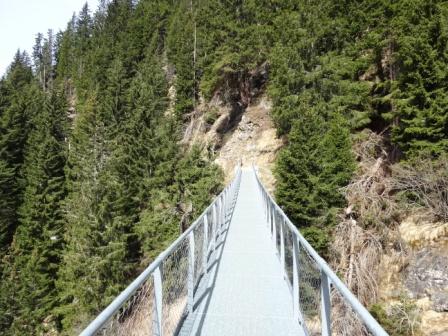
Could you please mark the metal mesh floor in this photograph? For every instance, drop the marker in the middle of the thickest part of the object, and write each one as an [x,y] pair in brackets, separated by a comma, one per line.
[245,290]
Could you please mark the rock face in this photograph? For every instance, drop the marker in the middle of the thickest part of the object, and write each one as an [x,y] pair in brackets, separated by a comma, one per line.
[440,301]
[427,276]
[420,271]
[254,141]
[248,135]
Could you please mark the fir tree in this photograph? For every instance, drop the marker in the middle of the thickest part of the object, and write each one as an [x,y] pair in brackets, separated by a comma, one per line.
[310,172]
[38,241]
[20,101]
[298,166]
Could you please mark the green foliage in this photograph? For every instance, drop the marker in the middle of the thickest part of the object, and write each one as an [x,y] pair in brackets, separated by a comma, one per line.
[400,319]
[194,182]
[19,101]
[421,99]
[297,169]
[318,238]
[38,240]
[181,47]
[310,171]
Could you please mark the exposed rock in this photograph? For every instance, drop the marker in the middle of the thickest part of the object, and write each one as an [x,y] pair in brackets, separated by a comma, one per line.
[254,141]
[440,301]
[434,323]
[420,270]
[427,273]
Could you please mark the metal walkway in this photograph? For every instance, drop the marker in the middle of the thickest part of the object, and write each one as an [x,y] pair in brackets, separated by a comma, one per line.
[250,295]
[242,268]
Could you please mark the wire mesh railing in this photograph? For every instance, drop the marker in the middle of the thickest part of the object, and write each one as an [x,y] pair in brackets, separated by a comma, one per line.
[163,295]
[322,304]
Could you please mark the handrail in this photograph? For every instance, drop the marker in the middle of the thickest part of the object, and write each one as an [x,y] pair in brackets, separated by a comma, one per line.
[372,325]
[220,206]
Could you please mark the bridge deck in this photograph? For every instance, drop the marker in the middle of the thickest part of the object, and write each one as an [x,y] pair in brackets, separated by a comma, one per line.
[247,294]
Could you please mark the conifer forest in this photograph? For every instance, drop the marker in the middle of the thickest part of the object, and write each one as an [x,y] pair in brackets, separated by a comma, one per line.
[95,180]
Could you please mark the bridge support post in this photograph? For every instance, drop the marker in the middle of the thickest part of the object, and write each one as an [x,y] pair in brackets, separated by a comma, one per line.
[157,304]
[266,208]
[282,244]
[222,205]
[228,204]
[190,302]
[205,244]
[269,217]
[217,221]
[325,304]
[274,232]
[295,279]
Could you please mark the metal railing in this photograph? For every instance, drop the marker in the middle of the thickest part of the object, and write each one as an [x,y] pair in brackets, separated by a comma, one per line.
[158,301]
[322,304]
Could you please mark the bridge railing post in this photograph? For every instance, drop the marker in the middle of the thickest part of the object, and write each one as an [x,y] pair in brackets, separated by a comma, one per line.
[205,244]
[282,244]
[295,279]
[157,303]
[266,207]
[269,217]
[191,258]
[268,213]
[227,207]
[215,220]
[325,304]
[218,219]
[274,231]
[222,215]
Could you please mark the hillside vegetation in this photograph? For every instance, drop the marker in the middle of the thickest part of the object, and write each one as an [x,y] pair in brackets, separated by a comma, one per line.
[95,180]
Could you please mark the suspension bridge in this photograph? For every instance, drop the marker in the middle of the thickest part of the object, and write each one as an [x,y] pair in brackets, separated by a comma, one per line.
[242,268]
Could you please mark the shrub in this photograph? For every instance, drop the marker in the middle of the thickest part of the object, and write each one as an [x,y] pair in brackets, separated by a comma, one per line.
[400,319]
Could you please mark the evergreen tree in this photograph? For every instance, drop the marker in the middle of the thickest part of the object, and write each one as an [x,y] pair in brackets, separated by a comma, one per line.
[79,283]
[182,53]
[337,162]
[310,172]
[38,241]
[64,56]
[298,166]
[43,58]
[420,117]
[20,101]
